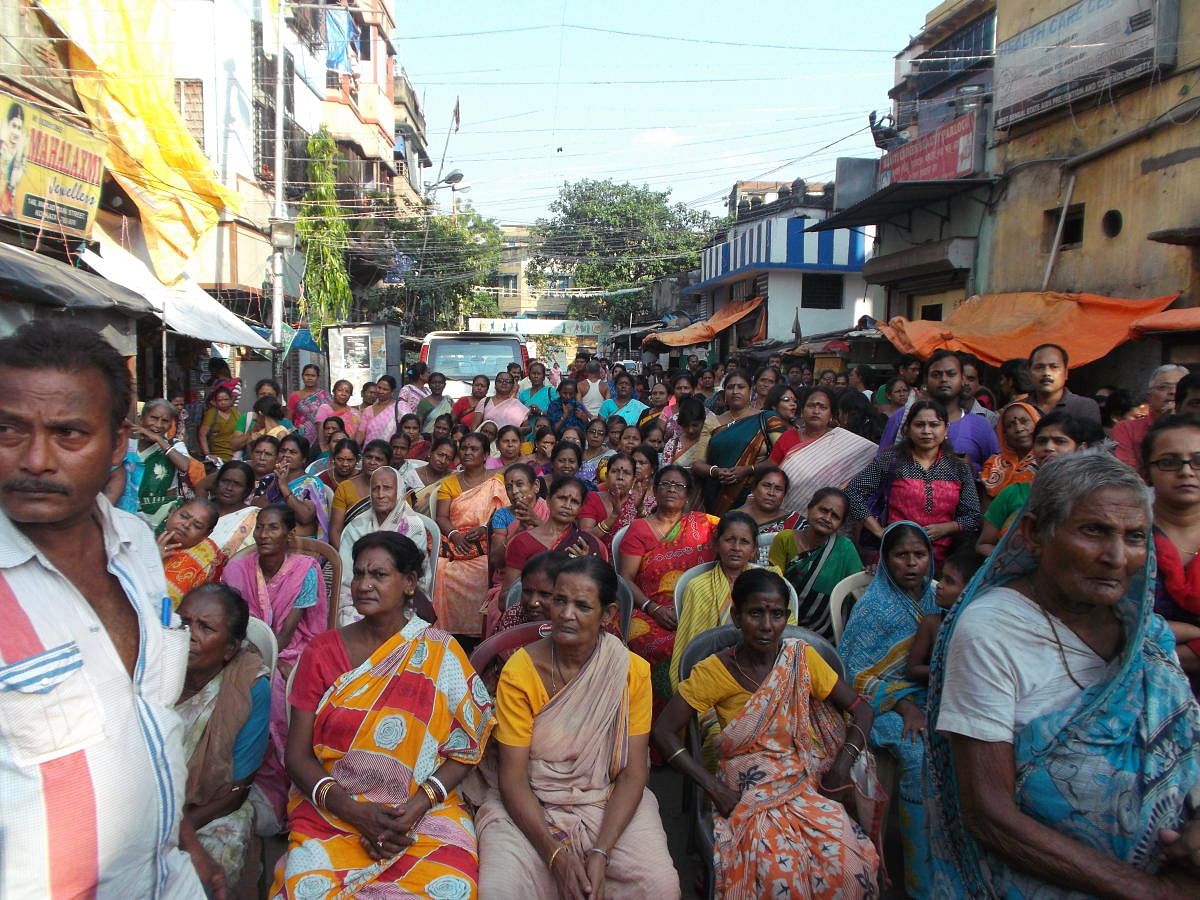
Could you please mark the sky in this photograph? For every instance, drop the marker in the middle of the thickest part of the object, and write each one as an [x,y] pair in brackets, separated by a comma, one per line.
[702,104]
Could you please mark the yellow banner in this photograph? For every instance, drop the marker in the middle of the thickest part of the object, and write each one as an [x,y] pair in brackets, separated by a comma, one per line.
[50,171]
[120,58]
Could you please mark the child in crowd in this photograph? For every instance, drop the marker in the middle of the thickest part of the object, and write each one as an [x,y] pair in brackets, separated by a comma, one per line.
[956,572]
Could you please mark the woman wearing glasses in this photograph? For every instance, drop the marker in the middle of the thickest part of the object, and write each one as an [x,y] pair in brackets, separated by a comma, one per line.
[654,552]
[1171,450]
[503,407]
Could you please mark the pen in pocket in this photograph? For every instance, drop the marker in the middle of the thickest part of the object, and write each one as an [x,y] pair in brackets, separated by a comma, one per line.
[166,612]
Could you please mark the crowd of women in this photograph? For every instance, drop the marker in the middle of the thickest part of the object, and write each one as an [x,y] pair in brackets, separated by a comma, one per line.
[544,587]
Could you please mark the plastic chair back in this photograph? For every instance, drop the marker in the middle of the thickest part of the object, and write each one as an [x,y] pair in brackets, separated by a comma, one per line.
[317,466]
[259,634]
[852,586]
[616,546]
[685,579]
[434,537]
[506,641]
[513,596]
[333,585]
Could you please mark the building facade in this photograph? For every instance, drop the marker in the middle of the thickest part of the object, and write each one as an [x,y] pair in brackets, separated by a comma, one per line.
[516,295]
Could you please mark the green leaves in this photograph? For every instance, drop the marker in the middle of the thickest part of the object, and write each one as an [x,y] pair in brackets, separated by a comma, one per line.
[326,299]
[612,236]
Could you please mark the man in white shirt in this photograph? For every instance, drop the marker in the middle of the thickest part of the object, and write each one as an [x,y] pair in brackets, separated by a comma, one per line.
[92,659]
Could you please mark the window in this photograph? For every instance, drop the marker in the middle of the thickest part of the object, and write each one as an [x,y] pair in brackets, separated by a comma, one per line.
[821,292]
[1072,228]
[557,284]
[508,284]
[364,43]
[931,312]
[189,100]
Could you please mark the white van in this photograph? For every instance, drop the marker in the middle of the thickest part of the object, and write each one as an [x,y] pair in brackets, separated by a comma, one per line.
[461,355]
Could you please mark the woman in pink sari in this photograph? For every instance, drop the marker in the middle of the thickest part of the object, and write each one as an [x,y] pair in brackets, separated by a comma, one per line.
[287,592]
[378,421]
[503,407]
[466,501]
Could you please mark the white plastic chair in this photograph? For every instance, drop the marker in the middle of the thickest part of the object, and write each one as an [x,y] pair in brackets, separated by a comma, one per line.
[435,546]
[616,546]
[684,580]
[417,463]
[259,633]
[850,586]
[318,466]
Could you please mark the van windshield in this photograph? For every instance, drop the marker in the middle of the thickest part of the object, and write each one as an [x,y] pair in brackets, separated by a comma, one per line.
[465,358]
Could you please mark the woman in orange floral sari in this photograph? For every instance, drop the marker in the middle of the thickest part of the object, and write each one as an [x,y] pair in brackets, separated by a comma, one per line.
[190,557]
[654,552]
[784,758]
[388,718]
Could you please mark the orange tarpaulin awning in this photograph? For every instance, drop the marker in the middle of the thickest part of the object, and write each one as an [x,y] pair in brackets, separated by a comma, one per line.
[1168,320]
[996,327]
[699,332]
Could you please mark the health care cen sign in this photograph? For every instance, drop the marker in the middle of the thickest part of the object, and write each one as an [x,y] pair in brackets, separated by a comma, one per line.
[50,172]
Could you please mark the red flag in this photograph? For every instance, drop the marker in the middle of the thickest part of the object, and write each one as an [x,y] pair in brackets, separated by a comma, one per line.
[457,114]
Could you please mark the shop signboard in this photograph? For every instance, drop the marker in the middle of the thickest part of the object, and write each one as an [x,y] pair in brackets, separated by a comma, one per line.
[570,327]
[945,153]
[50,172]
[1090,47]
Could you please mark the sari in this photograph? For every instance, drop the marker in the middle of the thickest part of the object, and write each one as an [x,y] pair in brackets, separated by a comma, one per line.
[429,409]
[305,411]
[874,647]
[425,497]
[578,743]
[814,574]
[628,512]
[785,838]
[524,546]
[213,719]
[235,531]
[190,568]
[688,544]
[828,461]
[308,487]
[409,399]
[743,442]
[381,729]
[151,481]
[1108,770]
[349,416]
[508,412]
[462,578]
[297,585]
[377,426]
[589,470]
[402,519]
[1008,466]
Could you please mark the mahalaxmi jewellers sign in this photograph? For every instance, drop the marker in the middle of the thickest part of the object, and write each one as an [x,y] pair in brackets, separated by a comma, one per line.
[1087,48]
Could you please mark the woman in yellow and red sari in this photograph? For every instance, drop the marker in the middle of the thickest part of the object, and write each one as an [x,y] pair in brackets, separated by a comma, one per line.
[190,557]
[785,754]
[388,717]
[654,552]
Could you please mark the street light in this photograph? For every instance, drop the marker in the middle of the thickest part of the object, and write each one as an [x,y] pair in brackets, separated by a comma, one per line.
[453,177]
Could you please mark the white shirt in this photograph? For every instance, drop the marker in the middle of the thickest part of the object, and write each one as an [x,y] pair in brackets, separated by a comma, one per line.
[1004,668]
[92,771]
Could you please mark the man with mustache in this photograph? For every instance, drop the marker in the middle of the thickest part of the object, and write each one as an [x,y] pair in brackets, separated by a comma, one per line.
[92,659]
[1048,365]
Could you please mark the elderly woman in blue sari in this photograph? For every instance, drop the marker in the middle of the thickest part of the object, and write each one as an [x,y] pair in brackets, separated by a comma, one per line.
[306,495]
[874,647]
[1066,739]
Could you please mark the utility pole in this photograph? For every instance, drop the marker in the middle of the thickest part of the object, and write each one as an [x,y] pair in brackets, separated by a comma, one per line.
[280,209]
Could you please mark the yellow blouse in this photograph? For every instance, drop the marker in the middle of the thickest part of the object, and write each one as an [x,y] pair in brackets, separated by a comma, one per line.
[346,495]
[521,695]
[712,686]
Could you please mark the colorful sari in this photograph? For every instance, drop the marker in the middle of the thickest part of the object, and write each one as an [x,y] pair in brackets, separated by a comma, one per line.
[524,546]
[378,426]
[628,512]
[297,585]
[814,574]
[743,442]
[429,409]
[213,719]
[221,429]
[409,399]
[784,837]
[190,568]
[381,730]
[874,647]
[462,578]
[1109,770]
[829,461]
[304,412]
[507,412]
[235,531]
[349,417]
[579,744]
[688,544]
[310,488]
[1008,466]
[153,480]
[590,469]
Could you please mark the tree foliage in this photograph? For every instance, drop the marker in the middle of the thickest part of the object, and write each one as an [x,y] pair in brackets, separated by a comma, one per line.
[443,262]
[322,229]
[611,236]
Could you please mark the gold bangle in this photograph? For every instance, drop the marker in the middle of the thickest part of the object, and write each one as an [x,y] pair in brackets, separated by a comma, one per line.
[676,753]
[323,792]
[433,800]
[557,850]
